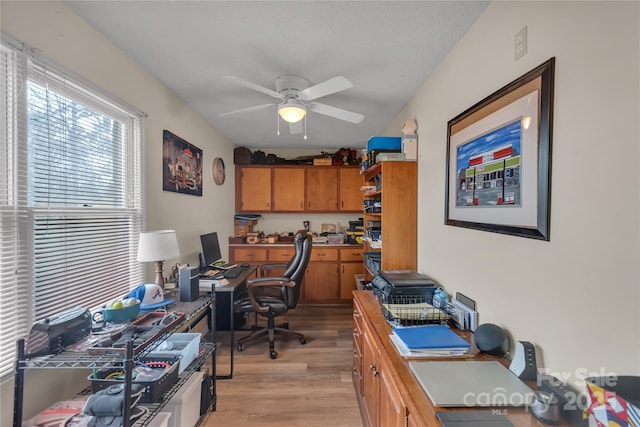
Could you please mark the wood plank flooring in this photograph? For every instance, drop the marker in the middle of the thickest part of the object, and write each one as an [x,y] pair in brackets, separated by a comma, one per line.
[306,386]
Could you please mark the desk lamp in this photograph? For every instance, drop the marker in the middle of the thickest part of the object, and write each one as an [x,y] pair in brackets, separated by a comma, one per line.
[158,246]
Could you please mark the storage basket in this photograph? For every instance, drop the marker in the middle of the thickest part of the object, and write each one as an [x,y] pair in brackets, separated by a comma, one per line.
[154,390]
[411,310]
[183,346]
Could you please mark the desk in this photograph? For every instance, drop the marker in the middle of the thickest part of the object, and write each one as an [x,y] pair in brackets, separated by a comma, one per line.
[236,284]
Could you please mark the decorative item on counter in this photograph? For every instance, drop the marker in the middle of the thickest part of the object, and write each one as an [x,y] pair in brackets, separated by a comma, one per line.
[158,246]
[345,156]
[410,140]
[253,238]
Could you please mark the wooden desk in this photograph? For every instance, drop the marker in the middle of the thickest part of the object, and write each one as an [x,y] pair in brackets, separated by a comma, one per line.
[388,393]
[237,284]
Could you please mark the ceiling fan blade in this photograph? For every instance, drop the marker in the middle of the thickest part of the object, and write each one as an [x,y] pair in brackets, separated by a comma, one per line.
[335,112]
[328,87]
[296,128]
[247,110]
[251,85]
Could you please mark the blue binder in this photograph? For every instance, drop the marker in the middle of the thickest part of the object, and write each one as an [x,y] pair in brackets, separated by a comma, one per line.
[430,337]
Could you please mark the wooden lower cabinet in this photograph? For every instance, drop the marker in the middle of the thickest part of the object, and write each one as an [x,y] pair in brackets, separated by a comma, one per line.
[321,282]
[330,275]
[388,393]
[248,254]
[379,393]
[391,408]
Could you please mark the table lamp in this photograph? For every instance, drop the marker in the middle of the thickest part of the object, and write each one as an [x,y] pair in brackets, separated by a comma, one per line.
[158,246]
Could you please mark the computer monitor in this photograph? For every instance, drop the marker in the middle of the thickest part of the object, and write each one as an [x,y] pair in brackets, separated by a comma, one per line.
[210,248]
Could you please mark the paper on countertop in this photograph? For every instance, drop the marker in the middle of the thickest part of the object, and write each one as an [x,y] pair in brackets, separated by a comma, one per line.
[205,284]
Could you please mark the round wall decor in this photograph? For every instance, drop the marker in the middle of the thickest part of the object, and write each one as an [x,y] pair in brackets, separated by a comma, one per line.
[218,170]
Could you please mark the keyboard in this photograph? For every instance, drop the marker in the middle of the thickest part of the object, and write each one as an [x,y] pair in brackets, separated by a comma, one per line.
[233,272]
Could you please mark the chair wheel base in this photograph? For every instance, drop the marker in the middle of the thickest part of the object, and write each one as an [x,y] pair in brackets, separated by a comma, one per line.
[302,341]
[273,354]
[240,347]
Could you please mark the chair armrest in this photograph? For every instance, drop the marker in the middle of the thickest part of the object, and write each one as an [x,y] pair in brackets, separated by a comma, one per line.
[269,281]
[265,282]
[271,267]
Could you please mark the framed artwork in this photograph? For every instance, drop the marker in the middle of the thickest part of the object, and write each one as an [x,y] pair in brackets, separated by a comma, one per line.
[181,165]
[217,170]
[499,157]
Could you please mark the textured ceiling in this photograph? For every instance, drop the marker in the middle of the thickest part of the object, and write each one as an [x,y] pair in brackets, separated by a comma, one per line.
[387,49]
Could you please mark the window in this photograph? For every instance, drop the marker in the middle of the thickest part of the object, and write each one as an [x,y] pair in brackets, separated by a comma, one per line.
[70,195]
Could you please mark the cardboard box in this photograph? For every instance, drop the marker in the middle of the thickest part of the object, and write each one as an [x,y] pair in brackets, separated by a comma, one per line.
[242,230]
[322,162]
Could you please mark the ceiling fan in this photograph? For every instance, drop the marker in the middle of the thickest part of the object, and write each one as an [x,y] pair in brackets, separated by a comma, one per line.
[297,98]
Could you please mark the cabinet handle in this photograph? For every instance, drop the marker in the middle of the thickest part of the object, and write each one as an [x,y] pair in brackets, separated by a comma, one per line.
[372,367]
[342,203]
[375,373]
[302,205]
[268,204]
[356,314]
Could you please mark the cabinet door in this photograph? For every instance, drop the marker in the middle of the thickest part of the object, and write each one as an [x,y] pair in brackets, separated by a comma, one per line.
[254,185]
[322,189]
[370,380]
[288,189]
[357,349]
[392,411]
[349,188]
[321,282]
[253,255]
[348,271]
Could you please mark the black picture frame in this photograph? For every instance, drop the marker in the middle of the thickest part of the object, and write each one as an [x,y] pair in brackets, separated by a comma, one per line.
[181,165]
[498,170]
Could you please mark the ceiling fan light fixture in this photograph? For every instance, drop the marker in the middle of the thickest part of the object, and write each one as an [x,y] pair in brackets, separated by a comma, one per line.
[292,111]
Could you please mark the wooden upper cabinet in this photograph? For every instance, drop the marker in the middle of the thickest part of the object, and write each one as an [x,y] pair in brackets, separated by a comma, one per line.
[322,189]
[350,196]
[292,188]
[253,189]
[288,189]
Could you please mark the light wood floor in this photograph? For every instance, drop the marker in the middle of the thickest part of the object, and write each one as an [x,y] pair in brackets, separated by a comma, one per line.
[306,386]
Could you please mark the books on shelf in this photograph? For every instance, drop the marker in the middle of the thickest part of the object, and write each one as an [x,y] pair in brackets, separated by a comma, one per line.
[428,340]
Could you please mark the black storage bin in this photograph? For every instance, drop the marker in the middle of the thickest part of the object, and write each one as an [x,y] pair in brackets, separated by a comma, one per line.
[154,390]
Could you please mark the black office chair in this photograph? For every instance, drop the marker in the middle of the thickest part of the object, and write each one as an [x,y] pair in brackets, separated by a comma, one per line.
[271,297]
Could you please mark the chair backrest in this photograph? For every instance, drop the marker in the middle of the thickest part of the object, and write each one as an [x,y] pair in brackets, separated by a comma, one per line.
[298,240]
[292,294]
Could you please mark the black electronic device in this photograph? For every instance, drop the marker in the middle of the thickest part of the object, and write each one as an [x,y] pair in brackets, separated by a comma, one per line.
[189,283]
[210,249]
[58,331]
[491,339]
[233,272]
[392,284]
[524,363]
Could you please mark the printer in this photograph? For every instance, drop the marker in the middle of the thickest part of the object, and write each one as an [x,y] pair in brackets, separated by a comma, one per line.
[395,284]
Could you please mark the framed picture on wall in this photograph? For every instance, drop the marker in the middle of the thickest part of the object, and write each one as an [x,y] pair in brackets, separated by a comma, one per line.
[499,156]
[181,165]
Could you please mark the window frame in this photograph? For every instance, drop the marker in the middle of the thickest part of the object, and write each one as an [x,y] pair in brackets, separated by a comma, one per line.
[21,64]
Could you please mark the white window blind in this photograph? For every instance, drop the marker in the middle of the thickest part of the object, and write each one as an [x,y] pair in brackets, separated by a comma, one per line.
[70,200]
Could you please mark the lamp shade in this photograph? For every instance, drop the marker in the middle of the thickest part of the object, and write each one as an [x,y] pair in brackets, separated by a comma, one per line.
[158,245]
[292,111]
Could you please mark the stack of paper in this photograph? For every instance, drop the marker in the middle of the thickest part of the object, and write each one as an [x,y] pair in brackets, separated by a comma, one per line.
[428,341]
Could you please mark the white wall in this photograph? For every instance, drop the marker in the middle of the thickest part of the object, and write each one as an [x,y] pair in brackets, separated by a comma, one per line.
[577,297]
[68,40]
